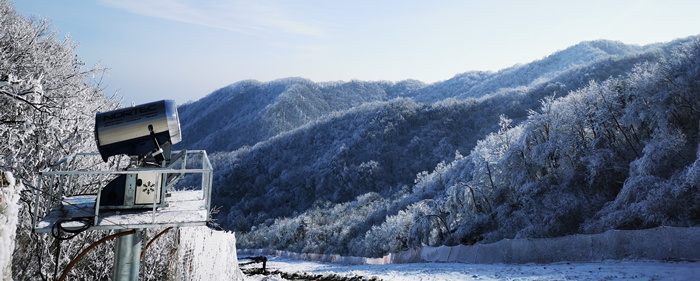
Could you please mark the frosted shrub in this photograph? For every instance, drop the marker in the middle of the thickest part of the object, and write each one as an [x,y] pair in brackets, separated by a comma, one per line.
[9,216]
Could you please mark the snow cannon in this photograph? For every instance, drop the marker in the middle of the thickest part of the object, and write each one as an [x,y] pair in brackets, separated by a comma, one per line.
[141,131]
[146,134]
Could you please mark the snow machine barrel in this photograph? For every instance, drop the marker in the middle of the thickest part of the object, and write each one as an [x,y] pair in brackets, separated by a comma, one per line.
[137,130]
[146,134]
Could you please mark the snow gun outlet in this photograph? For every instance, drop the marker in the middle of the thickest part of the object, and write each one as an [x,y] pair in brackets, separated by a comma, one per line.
[146,134]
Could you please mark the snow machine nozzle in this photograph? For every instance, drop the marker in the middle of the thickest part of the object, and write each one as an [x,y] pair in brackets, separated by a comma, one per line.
[139,130]
[146,134]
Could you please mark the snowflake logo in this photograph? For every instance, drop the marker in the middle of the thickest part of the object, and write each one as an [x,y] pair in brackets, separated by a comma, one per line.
[149,187]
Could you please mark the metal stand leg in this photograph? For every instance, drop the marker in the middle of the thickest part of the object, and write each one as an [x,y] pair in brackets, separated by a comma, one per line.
[127,257]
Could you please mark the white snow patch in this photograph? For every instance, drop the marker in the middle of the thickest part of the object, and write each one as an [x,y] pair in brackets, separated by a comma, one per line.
[206,254]
[606,270]
[9,217]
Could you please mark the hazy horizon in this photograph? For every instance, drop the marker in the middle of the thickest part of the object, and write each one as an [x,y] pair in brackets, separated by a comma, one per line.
[184,50]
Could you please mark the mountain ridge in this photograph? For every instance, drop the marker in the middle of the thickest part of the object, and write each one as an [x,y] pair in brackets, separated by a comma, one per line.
[379,149]
[269,108]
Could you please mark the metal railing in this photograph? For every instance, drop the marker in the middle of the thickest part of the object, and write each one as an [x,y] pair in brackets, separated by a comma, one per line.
[78,176]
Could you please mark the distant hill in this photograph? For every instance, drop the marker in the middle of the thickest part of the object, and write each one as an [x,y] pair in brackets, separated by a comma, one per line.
[479,83]
[292,151]
[377,147]
[248,112]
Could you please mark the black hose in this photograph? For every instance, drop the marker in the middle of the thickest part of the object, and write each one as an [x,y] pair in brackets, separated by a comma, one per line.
[57,227]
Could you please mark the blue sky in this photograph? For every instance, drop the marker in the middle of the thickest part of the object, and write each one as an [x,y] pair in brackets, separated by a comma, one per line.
[186,49]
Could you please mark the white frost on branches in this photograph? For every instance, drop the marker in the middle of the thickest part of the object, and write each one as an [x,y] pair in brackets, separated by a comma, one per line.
[9,210]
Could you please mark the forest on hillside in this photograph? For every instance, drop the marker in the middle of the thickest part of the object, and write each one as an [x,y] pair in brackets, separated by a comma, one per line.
[608,144]
[248,112]
[598,136]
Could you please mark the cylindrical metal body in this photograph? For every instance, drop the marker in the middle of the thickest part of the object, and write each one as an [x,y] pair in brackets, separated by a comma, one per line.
[127,257]
[126,131]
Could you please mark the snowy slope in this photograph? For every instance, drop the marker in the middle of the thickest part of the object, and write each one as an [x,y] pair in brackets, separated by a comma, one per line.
[607,270]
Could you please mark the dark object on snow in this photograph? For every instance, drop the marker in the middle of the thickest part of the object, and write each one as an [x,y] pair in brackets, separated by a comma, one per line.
[260,259]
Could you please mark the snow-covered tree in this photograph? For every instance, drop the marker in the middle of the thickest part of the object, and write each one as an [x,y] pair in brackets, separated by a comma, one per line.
[48,101]
[582,124]
[9,211]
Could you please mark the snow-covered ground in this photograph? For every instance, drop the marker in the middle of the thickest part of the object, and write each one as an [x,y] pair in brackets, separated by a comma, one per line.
[607,270]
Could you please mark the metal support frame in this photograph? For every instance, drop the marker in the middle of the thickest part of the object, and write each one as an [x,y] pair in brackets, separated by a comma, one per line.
[60,177]
[127,257]
[63,173]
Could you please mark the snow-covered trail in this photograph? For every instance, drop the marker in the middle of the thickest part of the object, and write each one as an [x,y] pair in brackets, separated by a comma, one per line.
[607,270]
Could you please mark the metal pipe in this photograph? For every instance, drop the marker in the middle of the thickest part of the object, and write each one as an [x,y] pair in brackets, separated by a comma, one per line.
[50,197]
[134,171]
[70,177]
[97,200]
[93,245]
[127,257]
[36,203]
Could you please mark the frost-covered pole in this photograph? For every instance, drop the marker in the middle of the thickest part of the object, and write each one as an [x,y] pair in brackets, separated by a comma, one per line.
[127,257]
[9,211]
